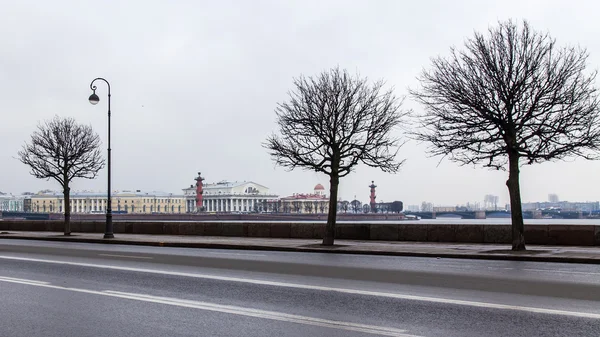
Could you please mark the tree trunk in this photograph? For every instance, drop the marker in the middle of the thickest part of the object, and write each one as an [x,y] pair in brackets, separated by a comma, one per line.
[518,228]
[67,208]
[334,182]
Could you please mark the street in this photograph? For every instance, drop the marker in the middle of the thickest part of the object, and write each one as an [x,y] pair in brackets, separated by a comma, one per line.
[77,289]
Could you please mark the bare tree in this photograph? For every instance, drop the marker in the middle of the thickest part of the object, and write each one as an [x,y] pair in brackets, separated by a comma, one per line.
[426,206]
[366,208]
[490,201]
[330,124]
[345,205]
[308,207]
[512,97]
[356,205]
[397,206]
[322,206]
[297,206]
[62,150]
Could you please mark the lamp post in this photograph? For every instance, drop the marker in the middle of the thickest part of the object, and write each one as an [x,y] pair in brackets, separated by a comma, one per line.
[94,99]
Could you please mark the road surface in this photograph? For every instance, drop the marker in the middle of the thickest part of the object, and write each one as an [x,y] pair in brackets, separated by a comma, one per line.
[74,289]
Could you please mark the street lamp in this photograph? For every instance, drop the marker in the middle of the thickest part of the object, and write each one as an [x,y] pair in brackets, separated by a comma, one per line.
[94,99]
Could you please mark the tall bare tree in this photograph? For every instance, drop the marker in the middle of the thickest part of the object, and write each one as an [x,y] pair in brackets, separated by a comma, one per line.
[332,122]
[511,98]
[62,150]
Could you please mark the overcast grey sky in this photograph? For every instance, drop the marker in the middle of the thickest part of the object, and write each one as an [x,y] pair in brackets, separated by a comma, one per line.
[195,84]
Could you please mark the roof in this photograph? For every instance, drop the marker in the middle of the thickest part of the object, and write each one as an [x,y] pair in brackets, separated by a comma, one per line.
[319,187]
[229,184]
[306,197]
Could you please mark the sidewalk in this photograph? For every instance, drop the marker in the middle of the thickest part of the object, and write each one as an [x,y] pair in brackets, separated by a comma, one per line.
[567,254]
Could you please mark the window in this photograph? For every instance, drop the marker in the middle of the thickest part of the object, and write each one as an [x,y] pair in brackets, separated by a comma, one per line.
[144,209]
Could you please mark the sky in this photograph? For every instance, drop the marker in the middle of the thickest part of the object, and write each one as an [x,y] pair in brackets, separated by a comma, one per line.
[195,84]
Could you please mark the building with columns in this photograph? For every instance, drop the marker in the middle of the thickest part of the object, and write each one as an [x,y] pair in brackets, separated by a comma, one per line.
[11,203]
[131,202]
[306,203]
[226,196]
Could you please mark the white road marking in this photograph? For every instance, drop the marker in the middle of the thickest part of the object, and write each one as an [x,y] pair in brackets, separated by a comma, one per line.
[235,310]
[563,271]
[321,288]
[236,254]
[127,256]
[20,280]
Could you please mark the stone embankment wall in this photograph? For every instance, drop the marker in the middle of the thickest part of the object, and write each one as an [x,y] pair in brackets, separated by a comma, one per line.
[578,235]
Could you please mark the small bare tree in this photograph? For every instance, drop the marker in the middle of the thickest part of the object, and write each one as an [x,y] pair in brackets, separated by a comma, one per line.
[512,97]
[330,124]
[63,150]
[308,207]
[345,205]
[322,206]
[356,205]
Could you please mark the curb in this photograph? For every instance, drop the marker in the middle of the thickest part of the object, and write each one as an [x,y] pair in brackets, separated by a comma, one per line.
[553,259]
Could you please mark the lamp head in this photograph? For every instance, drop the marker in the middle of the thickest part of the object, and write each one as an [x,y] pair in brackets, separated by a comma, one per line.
[94,99]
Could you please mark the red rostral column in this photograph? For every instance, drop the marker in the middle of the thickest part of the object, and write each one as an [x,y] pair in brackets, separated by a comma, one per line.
[373,202]
[199,192]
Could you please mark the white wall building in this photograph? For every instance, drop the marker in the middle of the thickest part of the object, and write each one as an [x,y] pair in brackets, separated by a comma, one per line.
[11,203]
[226,196]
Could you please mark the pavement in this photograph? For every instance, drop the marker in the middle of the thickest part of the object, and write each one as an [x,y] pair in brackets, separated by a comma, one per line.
[72,289]
[565,254]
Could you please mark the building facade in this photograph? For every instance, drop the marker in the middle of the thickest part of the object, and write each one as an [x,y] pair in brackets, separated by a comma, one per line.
[226,196]
[12,203]
[316,202]
[589,206]
[132,202]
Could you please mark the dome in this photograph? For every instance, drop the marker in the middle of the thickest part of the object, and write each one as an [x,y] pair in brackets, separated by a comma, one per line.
[319,187]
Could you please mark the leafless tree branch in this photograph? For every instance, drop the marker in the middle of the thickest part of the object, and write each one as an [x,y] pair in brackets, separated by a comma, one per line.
[509,95]
[333,122]
[62,150]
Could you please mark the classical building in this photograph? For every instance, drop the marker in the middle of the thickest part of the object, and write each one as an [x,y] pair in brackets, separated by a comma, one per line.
[315,202]
[11,203]
[226,196]
[137,202]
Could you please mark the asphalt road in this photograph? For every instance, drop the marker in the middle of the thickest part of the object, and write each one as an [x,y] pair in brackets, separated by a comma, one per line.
[73,289]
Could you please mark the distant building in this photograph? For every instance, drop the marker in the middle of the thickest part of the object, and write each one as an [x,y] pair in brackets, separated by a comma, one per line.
[444,208]
[137,202]
[315,202]
[561,205]
[11,203]
[413,208]
[226,196]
